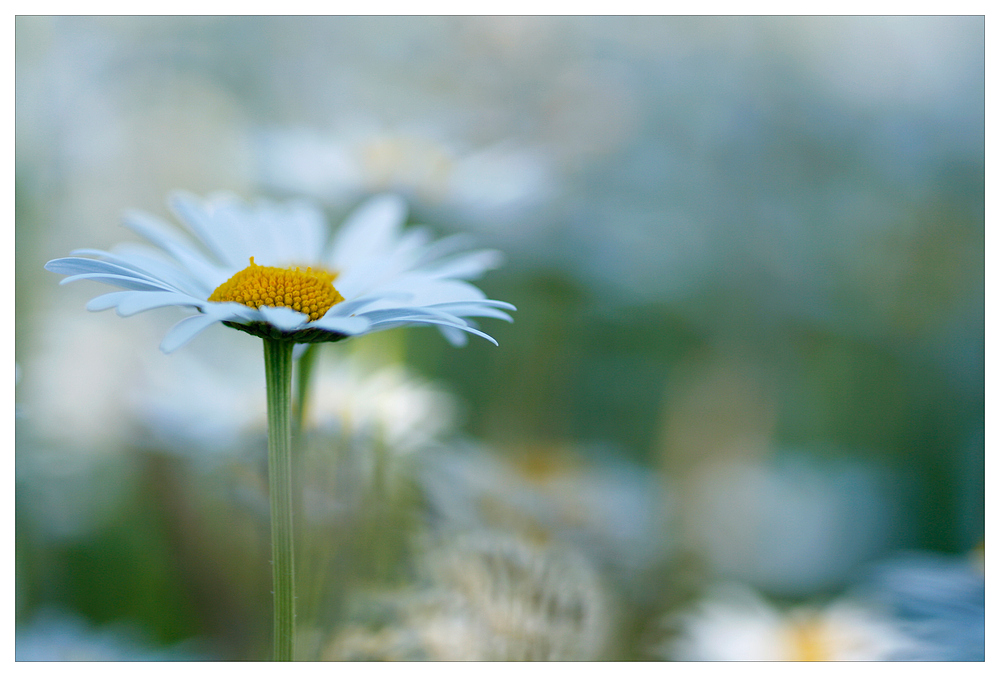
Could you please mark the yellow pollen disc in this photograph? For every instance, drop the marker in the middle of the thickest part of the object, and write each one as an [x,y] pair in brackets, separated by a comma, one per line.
[809,640]
[308,291]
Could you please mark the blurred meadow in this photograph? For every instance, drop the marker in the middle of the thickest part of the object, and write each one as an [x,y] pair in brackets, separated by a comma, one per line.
[739,412]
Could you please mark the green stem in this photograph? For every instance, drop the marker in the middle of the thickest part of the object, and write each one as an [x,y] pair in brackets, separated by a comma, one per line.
[278,370]
[305,368]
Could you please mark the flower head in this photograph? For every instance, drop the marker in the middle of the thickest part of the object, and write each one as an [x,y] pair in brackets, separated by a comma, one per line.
[484,596]
[266,269]
[734,623]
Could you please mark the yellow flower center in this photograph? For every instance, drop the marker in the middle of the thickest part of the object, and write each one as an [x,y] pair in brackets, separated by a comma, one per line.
[810,639]
[308,291]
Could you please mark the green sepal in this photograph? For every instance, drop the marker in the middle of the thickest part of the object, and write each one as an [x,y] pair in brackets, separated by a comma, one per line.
[269,331]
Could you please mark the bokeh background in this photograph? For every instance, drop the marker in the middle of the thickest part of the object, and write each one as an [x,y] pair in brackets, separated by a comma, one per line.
[748,261]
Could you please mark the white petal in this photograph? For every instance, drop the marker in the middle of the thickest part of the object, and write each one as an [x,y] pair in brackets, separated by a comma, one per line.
[234,311]
[124,274]
[403,321]
[283,318]
[274,234]
[210,229]
[146,260]
[110,300]
[75,265]
[490,303]
[363,274]
[355,305]
[132,302]
[446,246]
[409,313]
[125,282]
[343,325]
[369,231]
[467,266]
[299,229]
[117,259]
[472,310]
[455,337]
[200,283]
[187,329]
[144,301]
[161,235]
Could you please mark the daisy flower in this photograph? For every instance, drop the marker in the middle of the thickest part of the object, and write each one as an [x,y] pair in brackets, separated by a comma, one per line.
[491,185]
[266,269]
[734,623]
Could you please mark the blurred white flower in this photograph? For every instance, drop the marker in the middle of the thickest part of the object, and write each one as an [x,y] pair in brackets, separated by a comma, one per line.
[608,508]
[372,424]
[211,400]
[491,597]
[387,403]
[734,623]
[496,182]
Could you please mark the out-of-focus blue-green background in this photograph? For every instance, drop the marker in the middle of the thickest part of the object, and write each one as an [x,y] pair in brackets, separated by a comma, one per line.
[747,256]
